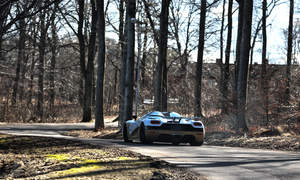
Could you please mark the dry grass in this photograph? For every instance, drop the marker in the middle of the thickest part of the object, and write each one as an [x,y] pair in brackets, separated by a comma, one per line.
[48,158]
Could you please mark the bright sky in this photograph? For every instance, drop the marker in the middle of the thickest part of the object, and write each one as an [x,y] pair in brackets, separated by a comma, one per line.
[278,21]
[276,43]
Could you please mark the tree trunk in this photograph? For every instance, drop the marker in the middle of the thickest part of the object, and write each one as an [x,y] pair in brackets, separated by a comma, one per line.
[115,83]
[99,116]
[220,61]
[81,41]
[222,32]
[123,47]
[128,90]
[144,59]
[198,83]
[1,40]
[81,90]
[33,61]
[237,49]
[87,115]
[93,103]
[22,82]
[20,60]
[161,94]
[53,61]
[264,82]
[243,66]
[227,57]
[42,47]
[289,53]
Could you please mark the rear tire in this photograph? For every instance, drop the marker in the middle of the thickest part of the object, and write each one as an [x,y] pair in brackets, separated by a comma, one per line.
[195,143]
[175,143]
[125,135]
[142,135]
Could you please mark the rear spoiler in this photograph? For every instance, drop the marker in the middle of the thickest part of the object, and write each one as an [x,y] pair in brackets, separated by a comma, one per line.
[186,118]
[179,118]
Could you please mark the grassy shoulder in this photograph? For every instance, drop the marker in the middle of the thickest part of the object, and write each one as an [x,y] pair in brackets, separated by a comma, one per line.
[48,158]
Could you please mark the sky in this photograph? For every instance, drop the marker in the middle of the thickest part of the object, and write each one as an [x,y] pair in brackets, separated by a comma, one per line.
[277,22]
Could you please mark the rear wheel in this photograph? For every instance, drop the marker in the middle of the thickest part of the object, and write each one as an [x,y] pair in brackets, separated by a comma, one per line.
[175,143]
[125,134]
[195,143]
[143,137]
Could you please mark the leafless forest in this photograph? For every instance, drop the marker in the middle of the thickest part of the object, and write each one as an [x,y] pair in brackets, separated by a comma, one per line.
[79,60]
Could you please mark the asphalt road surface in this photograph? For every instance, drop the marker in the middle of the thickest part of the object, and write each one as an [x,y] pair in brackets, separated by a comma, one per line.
[224,163]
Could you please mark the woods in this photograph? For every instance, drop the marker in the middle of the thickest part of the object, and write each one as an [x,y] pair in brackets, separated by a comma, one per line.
[76,61]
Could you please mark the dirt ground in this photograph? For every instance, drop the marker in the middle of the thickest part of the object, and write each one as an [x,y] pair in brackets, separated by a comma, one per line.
[48,158]
[282,143]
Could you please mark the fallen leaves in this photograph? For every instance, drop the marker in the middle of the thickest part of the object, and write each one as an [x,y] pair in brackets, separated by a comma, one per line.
[285,143]
[49,158]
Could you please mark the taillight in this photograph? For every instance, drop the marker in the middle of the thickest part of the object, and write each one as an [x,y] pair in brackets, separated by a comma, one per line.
[154,122]
[197,124]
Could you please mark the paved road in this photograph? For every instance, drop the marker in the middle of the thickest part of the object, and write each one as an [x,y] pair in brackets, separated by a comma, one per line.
[212,161]
[228,163]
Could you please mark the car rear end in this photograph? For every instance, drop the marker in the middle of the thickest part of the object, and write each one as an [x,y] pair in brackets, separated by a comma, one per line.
[176,130]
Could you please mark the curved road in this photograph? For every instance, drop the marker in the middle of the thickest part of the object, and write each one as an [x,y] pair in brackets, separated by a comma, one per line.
[212,161]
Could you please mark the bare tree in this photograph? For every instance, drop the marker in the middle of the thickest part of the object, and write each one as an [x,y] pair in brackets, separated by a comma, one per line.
[264,61]
[161,94]
[224,80]
[222,32]
[21,57]
[41,70]
[85,91]
[30,8]
[270,7]
[151,21]
[198,80]
[54,47]
[129,75]
[81,40]
[123,48]
[33,33]
[227,56]
[220,61]
[238,43]
[90,66]
[243,66]
[143,60]
[99,122]
[289,53]
[183,32]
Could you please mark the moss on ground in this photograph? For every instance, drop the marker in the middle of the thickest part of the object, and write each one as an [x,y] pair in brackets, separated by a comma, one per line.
[59,157]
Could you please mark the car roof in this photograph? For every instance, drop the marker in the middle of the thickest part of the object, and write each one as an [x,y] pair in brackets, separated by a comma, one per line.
[156,113]
[166,114]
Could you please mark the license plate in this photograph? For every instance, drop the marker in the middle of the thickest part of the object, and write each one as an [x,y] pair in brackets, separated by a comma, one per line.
[176,128]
